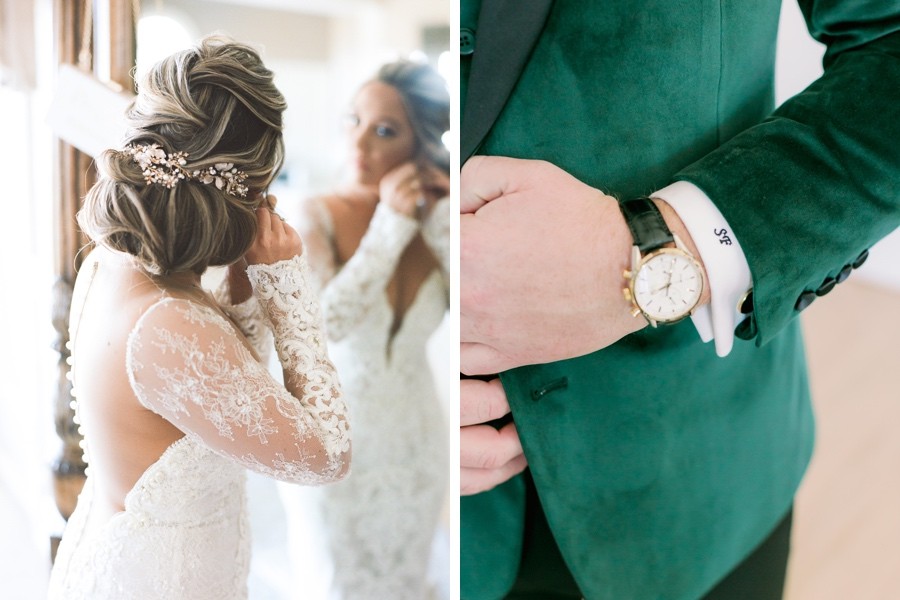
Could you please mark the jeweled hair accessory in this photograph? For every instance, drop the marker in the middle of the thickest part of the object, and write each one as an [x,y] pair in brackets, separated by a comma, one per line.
[167,169]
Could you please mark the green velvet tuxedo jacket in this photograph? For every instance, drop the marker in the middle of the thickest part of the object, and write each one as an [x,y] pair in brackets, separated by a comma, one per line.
[659,465]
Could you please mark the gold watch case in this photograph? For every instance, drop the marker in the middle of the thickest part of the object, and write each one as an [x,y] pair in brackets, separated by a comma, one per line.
[664,285]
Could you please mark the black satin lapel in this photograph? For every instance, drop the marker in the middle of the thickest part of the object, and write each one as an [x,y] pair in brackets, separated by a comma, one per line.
[507,33]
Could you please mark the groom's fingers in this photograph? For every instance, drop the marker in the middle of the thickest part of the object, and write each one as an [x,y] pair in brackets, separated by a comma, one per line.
[488,457]
[484,447]
[486,178]
[481,401]
[481,359]
[475,481]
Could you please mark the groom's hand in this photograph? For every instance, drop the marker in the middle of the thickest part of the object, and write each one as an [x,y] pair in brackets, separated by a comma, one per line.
[487,456]
[541,261]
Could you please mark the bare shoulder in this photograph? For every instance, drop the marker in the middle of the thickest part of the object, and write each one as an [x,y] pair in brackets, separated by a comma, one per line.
[341,210]
[116,297]
[338,205]
[314,208]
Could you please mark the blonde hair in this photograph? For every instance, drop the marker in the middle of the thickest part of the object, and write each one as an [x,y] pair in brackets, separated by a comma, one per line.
[427,103]
[217,103]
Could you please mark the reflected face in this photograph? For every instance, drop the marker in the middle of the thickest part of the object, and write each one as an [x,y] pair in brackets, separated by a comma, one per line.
[379,133]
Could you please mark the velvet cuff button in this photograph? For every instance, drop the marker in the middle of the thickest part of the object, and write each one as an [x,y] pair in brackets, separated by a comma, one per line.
[805,299]
[826,286]
[844,274]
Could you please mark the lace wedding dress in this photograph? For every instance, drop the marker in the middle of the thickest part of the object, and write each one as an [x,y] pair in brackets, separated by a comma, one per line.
[377,526]
[184,531]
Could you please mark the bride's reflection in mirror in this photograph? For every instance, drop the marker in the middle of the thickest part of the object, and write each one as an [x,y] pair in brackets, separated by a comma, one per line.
[379,243]
[365,181]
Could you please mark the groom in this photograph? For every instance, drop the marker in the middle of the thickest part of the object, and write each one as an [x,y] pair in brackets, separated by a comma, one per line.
[657,466]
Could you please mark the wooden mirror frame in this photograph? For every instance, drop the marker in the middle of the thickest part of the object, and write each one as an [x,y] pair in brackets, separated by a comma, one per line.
[110,25]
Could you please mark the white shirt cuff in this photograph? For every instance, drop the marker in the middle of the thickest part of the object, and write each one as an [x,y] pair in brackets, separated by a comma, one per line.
[726,266]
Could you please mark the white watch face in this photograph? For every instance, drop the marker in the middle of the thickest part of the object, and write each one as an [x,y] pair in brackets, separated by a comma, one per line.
[668,285]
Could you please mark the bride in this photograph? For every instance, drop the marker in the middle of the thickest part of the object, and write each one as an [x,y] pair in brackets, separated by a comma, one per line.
[379,248]
[172,393]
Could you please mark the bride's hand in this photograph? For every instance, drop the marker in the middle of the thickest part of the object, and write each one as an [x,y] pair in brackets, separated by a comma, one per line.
[412,189]
[435,183]
[275,239]
[400,188]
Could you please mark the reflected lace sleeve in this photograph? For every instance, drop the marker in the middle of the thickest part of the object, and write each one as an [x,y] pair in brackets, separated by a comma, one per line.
[436,232]
[354,289]
[187,363]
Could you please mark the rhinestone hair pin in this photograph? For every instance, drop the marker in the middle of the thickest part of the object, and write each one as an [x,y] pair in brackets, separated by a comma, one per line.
[167,170]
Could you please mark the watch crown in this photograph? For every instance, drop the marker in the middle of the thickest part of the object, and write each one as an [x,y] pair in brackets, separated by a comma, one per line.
[626,273]
[627,293]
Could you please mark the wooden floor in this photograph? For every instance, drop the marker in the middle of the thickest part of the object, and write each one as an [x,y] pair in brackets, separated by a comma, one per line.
[847,514]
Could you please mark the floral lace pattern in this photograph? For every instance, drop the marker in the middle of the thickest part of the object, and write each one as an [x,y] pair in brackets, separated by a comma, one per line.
[249,318]
[293,311]
[207,379]
[379,548]
[184,531]
[353,293]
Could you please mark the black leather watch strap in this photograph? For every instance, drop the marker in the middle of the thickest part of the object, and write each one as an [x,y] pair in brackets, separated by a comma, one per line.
[646,223]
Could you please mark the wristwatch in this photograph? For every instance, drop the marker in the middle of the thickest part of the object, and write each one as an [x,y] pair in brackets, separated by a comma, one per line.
[665,281]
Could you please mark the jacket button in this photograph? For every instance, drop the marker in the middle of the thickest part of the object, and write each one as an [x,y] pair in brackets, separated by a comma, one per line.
[860,259]
[745,304]
[826,286]
[844,274]
[805,299]
[466,41]
[746,329]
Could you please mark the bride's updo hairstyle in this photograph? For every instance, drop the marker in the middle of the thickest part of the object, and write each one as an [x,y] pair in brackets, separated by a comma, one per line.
[217,104]
[427,103]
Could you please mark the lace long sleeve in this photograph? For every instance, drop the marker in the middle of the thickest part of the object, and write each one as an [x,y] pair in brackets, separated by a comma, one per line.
[250,319]
[436,233]
[187,364]
[354,290]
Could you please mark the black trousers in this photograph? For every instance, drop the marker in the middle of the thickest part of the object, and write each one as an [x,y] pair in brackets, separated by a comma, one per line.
[543,574]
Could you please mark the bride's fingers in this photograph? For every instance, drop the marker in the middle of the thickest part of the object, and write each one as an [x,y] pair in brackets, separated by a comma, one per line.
[264,219]
[434,175]
[269,221]
[278,223]
[275,239]
[435,183]
[271,202]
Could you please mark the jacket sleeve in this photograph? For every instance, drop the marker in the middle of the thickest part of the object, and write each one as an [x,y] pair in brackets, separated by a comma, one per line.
[810,188]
